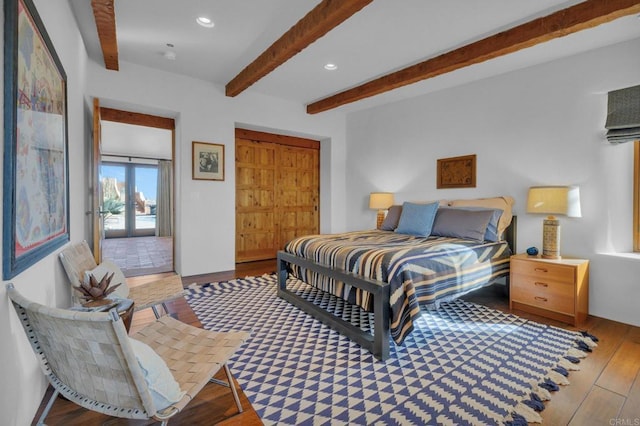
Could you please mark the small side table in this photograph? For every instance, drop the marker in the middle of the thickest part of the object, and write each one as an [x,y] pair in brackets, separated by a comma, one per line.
[124,307]
[125,310]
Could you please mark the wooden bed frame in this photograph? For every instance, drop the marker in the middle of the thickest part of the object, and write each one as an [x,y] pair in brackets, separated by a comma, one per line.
[376,343]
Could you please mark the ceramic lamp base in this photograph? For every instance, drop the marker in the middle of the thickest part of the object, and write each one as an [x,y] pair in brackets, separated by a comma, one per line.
[381,216]
[551,238]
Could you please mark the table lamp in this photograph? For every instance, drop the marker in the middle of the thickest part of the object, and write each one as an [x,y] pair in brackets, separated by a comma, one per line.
[552,200]
[380,201]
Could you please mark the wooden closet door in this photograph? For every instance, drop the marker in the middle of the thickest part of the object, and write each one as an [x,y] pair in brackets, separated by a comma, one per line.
[298,192]
[277,192]
[255,200]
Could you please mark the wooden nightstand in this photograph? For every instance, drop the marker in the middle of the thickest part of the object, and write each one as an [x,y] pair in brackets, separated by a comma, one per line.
[553,288]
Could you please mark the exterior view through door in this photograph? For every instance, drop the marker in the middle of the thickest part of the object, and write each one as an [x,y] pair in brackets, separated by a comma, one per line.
[129,199]
[136,202]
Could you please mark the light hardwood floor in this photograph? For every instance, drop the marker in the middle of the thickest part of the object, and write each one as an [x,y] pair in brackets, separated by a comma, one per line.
[605,392]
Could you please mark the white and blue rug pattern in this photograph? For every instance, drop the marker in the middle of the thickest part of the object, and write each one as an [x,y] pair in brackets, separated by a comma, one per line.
[464,364]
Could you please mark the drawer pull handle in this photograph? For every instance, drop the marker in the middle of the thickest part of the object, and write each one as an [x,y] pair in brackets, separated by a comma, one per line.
[541,270]
[542,299]
[538,283]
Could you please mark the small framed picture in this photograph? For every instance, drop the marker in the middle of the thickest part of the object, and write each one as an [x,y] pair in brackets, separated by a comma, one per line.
[208,161]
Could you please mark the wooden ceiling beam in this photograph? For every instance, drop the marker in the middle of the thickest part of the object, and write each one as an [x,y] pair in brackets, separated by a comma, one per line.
[105,17]
[576,18]
[319,21]
[137,118]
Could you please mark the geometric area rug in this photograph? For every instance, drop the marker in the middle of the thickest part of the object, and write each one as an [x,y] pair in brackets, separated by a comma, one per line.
[462,364]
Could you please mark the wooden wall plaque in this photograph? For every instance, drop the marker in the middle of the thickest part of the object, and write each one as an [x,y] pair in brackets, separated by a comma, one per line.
[457,172]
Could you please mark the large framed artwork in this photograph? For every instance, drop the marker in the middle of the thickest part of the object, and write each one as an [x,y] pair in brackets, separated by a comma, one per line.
[208,161]
[35,162]
[457,172]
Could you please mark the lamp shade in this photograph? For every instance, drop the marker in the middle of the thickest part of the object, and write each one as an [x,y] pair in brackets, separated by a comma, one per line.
[563,200]
[380,200]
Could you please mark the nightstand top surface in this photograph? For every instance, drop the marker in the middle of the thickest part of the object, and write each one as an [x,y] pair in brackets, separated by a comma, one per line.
[562,261]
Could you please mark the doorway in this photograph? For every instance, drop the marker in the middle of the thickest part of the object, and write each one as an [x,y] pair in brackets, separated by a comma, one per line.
[134,181]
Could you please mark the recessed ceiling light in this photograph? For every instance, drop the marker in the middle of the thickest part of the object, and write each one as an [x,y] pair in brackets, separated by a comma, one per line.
[331,67]
[205,22]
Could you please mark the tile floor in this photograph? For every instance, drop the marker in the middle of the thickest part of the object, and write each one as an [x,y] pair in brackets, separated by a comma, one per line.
[140,255]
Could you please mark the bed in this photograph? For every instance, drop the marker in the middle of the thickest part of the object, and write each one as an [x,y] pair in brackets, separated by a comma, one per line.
[392,272]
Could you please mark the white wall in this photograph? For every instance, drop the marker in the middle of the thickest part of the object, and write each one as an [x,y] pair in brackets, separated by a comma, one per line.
[541,125]
[205,210]
[23,383]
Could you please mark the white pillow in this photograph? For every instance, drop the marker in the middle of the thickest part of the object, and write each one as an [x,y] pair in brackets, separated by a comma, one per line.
[108,266]
[164,389]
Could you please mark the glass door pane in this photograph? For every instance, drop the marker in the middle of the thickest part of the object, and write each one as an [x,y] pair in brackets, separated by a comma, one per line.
[113,178]
[145,195]
[129,199]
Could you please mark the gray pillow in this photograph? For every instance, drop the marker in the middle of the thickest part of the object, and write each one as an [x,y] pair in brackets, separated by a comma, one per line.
[393,217]
[458,223]
[492,229]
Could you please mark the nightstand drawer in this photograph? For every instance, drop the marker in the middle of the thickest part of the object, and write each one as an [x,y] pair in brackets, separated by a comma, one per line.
[543,271]
[551,295]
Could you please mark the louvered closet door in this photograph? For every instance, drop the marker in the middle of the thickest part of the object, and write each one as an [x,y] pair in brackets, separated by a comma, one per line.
[255,200]
[297,188]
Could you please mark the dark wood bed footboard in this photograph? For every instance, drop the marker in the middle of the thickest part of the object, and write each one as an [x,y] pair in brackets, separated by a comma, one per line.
[378,343]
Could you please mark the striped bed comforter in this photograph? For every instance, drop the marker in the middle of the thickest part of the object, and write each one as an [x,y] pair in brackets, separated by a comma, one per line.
[420,271]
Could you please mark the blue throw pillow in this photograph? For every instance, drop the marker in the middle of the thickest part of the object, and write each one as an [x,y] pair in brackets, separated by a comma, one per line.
[417,219]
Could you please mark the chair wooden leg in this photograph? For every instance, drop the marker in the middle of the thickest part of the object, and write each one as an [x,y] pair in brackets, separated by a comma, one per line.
[230,385]
[45,413]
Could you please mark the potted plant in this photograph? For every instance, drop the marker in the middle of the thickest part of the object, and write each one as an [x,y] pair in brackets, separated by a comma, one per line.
[95,292]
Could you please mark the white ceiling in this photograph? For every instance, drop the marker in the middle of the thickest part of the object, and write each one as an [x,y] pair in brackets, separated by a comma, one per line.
[384,36]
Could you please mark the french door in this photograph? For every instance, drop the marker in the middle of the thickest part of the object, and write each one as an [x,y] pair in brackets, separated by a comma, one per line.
[128,199]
